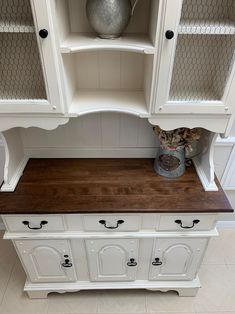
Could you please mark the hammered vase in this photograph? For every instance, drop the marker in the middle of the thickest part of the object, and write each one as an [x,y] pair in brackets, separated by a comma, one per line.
[170,161]
[109,18]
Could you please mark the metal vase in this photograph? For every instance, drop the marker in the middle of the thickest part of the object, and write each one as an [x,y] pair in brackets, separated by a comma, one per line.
[109,18]
[170,161]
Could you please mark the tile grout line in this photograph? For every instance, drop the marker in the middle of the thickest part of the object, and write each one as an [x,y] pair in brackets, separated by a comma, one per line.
[12,269]
[145,299]
[96,300]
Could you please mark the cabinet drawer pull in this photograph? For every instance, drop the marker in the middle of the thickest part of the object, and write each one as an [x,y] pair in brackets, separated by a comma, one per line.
[67,263]
[179,222]
[157,262]
[119,222]
[42,223]
[132,262]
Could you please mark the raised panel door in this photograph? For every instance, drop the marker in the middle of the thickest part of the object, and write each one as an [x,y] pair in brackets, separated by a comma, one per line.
[112,260]
[176,259]
[47,260]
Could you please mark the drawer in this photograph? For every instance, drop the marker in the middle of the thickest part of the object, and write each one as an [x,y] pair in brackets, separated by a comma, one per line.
[109,223]
[34,223]
[187,222]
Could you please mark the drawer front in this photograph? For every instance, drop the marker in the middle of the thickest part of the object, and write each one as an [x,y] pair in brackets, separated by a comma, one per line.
[187,222]
[34,223]
[107,223]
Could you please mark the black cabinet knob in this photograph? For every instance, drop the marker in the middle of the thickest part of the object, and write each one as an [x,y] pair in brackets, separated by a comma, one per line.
[43,33]
[169,34]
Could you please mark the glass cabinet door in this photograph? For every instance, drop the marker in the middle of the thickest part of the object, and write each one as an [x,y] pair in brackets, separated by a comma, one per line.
[24,55]
[201,64]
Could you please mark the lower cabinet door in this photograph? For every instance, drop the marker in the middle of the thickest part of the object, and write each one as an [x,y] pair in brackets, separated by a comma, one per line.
[47,260]
[176,259]
[112,259]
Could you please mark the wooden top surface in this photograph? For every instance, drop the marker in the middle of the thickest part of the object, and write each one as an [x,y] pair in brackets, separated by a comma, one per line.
[105,186]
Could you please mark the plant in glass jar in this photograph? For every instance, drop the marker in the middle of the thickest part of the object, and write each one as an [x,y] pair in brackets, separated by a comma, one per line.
[174,145]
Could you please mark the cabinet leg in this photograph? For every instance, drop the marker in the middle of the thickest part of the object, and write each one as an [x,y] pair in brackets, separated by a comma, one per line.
[182,292]
[37,294]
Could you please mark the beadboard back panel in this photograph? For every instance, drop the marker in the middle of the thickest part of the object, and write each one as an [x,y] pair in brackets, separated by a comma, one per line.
[94,135]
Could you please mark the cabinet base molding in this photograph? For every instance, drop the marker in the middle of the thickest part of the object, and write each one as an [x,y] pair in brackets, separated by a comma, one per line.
[184,288]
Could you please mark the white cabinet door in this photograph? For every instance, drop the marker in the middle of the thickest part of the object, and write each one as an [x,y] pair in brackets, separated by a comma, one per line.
[176,259]
[196,68]
[112,260]
[47,260]
[29,65]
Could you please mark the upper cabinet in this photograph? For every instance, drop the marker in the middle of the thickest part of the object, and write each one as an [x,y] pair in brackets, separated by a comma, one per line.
[28,67]
[174,63]
[196,65]
[103,74]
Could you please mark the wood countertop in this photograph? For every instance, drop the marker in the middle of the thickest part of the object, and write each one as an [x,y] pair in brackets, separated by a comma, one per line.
[106,186]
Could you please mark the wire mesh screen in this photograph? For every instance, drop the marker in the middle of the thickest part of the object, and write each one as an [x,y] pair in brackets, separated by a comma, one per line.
[21,74]
[20,67]
[16,16]
[208,17]
[202,67]
[207,9]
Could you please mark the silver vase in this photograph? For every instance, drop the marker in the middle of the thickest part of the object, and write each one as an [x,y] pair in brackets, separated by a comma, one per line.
[109,18]
[170,161]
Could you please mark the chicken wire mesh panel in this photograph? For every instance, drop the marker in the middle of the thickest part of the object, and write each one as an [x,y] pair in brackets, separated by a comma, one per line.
[21,74]
[208,17]
[16,16]
[202,66]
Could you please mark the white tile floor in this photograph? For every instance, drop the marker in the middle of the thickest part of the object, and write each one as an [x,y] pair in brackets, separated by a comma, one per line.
[217,294]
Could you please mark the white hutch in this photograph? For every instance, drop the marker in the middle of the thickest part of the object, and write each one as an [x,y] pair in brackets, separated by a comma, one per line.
[174,66]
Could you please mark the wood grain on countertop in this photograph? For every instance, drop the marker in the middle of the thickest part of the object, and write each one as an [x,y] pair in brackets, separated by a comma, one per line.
[106,186]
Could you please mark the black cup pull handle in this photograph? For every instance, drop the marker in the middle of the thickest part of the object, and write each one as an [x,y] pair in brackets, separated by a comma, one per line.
[67,263]
[119,222]
[42,223]
[157,262]
[179,222]
[169,34]
[132,262]
[43,33]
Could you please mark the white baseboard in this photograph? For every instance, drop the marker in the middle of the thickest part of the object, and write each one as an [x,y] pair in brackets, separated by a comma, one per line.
[10,187]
